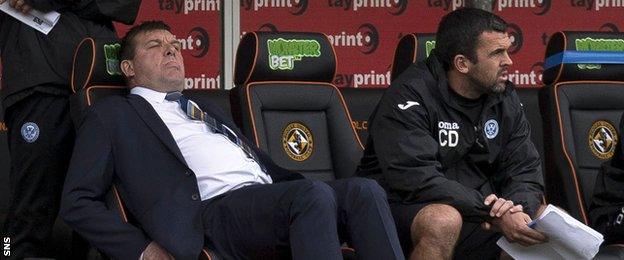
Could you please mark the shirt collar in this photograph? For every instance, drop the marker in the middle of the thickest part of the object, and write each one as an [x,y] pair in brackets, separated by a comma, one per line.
[149,94]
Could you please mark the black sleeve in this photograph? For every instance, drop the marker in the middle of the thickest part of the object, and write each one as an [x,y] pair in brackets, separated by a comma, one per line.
[123,11]
[49,5]
[88,180]
[407,153]
[523,182]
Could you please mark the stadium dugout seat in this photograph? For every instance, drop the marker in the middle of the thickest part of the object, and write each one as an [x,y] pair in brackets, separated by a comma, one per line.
[412,48]
[96,75]
[361,102]
[581,106]
[529,96]
[288,106]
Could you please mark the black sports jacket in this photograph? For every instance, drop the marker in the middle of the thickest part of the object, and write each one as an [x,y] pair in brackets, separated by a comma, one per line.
[423,148]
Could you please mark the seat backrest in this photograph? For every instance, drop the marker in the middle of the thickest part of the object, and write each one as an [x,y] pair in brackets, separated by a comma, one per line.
[530,102]
[361,103]
[581,106]
[285,103]
[412,48]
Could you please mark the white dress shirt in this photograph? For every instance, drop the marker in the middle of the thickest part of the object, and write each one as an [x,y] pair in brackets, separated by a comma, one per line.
[219,164]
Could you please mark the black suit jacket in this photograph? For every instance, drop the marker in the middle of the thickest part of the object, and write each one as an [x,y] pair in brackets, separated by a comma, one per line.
[122,140]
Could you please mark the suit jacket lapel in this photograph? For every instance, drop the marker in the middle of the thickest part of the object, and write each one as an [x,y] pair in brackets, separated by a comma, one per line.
[150,117]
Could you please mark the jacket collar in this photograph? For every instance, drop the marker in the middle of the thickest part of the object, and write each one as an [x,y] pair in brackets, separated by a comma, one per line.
[150,117]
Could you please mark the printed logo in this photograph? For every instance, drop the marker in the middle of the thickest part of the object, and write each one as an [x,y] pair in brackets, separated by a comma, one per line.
[6,246]
[356,80]
[446,4]
[198,42]
[366,39]
[360,125]
[297,7]
[542,6]
[30,132]
[283,53]
[602,139]
[597,4]
[371,38]
[515,35]
[448,134]
[203,82]
[187,6]
[491,129]
[297,141]
[408,105]
[429,46]
[531,78]
[590,44]
[396,7]
[111,54]
[620,217]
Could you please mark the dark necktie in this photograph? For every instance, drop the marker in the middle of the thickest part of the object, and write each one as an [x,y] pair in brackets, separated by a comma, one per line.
[194,112]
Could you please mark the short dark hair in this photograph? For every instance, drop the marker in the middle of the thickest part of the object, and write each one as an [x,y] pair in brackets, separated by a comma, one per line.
[459,31]
[127,42]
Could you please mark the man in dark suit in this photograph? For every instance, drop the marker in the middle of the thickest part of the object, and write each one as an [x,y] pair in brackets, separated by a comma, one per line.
[193,183]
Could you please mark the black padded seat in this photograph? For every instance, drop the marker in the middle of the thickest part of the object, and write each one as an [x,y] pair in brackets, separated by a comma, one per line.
[581,106]
[285,103]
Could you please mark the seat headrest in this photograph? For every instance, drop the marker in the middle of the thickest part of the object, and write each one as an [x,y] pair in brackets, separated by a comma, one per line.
[412,48]
[284,56]
[96,62]
[572,56]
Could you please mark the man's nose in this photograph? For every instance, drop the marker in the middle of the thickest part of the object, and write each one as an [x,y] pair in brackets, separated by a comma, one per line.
[170,50]
[507,60]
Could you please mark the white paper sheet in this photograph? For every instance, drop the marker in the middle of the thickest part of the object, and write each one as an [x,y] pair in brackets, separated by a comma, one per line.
[568,238]
[43,22]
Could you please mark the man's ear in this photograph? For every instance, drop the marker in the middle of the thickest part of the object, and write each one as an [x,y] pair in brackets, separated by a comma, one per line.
[127,67]
[461,63]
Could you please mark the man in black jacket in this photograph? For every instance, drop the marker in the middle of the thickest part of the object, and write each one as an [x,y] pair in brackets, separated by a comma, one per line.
[450,144]
[191,179]
[35,95]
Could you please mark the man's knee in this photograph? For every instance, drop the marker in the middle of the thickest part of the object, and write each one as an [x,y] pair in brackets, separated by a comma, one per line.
[365,189]
[438,222]
[316,194]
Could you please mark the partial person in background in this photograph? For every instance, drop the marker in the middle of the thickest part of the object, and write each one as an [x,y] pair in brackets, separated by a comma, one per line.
[606,212]
[35,96]
[450,143]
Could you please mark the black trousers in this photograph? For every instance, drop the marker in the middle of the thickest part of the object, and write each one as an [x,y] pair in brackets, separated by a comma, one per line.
[41,139]
[302,219]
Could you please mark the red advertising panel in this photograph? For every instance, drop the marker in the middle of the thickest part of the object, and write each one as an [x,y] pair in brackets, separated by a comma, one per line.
[197,25]
[365,32]
[532,22]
